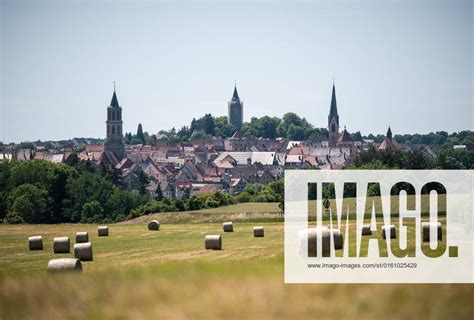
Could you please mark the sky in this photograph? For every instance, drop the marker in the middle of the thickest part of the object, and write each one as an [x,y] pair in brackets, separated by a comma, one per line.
[404,63]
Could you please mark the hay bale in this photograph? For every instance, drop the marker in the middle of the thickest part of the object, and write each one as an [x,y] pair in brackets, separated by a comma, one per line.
[389,229]
[154,225]
[366,230]
[61,245]
[258,232]
[83,251]
[213,242]
[427,226]
[64,265]
[35,243]
[228,227]
[103,231]
[82,237]
[337,238]
[310,235]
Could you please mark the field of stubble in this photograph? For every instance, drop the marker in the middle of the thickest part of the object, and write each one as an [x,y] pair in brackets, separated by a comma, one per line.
[167,274]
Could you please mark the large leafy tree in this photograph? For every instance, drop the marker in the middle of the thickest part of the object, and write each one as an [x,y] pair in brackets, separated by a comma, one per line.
[92,212]
[208,124]
[38,191]
[88,187]
[140,135]
[142,183]
[29,203]
[159,193]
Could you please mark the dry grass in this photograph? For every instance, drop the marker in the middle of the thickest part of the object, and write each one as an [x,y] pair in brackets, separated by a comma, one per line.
[251,211]
[167,274]
[394,202]
[211,291]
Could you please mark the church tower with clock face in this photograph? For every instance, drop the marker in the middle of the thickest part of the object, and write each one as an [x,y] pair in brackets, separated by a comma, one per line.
[114,124]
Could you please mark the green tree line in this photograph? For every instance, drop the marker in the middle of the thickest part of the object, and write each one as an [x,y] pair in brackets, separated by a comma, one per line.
[446,158]
[435,139]
[39,191]
[290,126]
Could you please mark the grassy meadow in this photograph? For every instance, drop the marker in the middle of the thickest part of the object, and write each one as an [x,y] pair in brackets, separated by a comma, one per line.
[167,274]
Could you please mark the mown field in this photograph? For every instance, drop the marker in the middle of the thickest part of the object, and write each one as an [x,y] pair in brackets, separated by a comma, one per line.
[167,274]
[239,212]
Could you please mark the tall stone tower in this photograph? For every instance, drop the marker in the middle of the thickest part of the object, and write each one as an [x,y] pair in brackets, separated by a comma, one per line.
[236,110]
[114,122]
[333,120]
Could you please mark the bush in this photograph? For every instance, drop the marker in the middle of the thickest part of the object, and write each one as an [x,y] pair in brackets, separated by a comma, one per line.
[242,197]
[120,218]
[14,218]
[272,192]
[195,203]
[210,203]
[92,212]
[178,204]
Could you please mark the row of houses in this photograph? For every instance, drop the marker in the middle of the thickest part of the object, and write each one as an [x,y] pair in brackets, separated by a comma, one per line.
[204,165]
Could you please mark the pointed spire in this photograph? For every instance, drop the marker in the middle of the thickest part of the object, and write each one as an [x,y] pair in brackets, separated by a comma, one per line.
[114,102]
[333,110]
[235,96]
[389,133]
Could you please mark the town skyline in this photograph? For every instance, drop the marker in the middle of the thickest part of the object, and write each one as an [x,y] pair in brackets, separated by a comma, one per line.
[153,131]
[399,64]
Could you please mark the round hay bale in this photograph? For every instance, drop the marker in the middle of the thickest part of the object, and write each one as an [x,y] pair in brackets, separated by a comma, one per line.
[258,232]
[213,242]
[228,227]
[310,236]
[83,251]
[82,237]
[61,245]
[35,243]
[390,229]
[427,226]
[366,230]
[103,231]
[64,265]
[154,225]
[337,238]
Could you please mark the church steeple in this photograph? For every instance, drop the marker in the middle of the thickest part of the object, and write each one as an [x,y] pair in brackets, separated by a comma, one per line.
[114,123]
[333,110]
[114,102]
[235,96]
[333,120]
[235,109]
[389,133]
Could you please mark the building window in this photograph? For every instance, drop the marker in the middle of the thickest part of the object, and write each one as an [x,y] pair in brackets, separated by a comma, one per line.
[113,129]
[333,129]
[113,115]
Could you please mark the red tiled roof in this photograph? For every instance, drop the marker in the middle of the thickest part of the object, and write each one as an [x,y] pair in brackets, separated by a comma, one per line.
[208,188]
[345,137]
[387,145]
[95,148]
